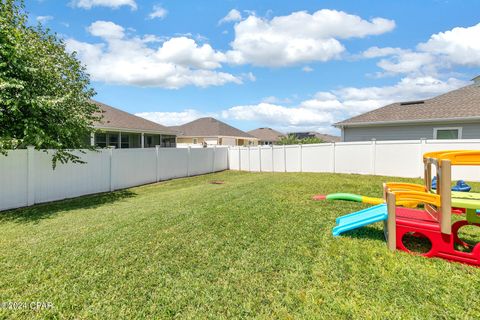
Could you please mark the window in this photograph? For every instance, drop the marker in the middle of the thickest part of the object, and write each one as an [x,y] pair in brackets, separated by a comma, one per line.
[151,140]
[168,141]
[125,143]
[113,139]
[447,133]
[101,140]
[195,140]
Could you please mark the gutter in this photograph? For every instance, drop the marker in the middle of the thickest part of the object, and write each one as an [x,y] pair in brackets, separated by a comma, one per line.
[236,137]
[380,123]
[115,129]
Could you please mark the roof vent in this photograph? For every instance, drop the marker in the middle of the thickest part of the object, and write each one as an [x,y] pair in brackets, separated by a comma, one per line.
[408,103]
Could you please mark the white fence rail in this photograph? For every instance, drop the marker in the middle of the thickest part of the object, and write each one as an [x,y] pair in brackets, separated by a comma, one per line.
[27,178]
[388,158]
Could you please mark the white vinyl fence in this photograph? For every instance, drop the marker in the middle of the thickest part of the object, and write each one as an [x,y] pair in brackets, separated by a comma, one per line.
[388,158]
[27,177]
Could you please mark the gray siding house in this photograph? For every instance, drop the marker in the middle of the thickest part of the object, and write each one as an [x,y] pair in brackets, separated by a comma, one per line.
[453,115]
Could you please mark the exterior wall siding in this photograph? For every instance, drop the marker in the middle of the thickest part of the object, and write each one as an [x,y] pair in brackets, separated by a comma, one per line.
[406,132]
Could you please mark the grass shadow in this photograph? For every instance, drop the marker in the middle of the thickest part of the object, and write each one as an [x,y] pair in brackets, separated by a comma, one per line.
[48,210]
[365,232]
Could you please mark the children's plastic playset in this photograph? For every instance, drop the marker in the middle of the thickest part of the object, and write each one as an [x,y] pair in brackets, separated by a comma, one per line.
[433,221]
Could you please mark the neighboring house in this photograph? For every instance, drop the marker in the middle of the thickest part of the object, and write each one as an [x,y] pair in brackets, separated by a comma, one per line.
[210,131]
[123,130]
[453,115]
[322,136]
[266,136]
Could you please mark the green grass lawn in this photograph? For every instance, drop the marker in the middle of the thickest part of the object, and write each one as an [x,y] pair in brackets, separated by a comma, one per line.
[256,246]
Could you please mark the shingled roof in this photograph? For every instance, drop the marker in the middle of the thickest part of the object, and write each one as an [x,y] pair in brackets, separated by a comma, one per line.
[209,127]
[266,134]
[117,119]
[460,104]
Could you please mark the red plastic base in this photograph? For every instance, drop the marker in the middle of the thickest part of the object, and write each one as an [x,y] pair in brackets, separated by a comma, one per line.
[419,222]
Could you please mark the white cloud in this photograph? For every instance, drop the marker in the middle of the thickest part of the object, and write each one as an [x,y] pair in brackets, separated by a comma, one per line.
[44,19]
[276,100]
[299,37]
[158,12]
[460,46]
[353,101]
[134,60]
[442,52]
[174,118]
[307,69]
[277,115]
[376,52]
[410,62]
[106,30]
[327,107]
[322,110]
[88,4]
[232,15]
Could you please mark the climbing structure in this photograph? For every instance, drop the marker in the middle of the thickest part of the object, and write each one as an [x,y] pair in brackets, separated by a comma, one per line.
[434,222]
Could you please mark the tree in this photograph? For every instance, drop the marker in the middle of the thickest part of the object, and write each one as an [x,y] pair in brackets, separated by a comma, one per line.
[293,139]
[45,94]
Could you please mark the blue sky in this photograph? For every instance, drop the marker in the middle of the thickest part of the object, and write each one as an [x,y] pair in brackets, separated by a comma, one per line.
[290,65]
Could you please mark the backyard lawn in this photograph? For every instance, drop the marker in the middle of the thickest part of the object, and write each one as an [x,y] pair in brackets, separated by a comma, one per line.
[255,246]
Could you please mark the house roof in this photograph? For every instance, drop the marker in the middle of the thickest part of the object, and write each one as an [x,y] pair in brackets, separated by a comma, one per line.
[323,136]
[328,137]
[209,127]
[460,104]
[114,118]
[266,134]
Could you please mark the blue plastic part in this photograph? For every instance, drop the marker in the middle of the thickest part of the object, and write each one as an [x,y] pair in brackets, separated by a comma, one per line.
[360,219]
[461,185]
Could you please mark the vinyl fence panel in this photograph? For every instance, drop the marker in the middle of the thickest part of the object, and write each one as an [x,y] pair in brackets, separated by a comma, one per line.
[279,159]
[173,163]
[133,167]
[354,157]
[318,158]
[70,180]
[13,180]
[27,177]
[389,158]
[266,158]
[293,158]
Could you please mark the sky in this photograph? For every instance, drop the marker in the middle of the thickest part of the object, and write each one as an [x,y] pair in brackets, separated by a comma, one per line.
[289,65]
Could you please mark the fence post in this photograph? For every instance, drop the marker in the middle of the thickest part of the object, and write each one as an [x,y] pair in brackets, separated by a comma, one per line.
[110,156]
[374,152]
[214,155]
[333,157]
[157,170]
[228,157]
[30,176]
[284,158]
[188,160]
[249,160]
[423,143]
[273,169]
[301,157]
[259,159]
[239,159]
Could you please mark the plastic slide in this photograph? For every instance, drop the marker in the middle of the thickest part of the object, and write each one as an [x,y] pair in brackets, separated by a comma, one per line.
[360,219]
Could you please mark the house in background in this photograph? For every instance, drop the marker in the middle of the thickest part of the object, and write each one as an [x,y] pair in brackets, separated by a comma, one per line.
[266,136]
[210,131]
[453,115]
[322,136]
[123,130]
